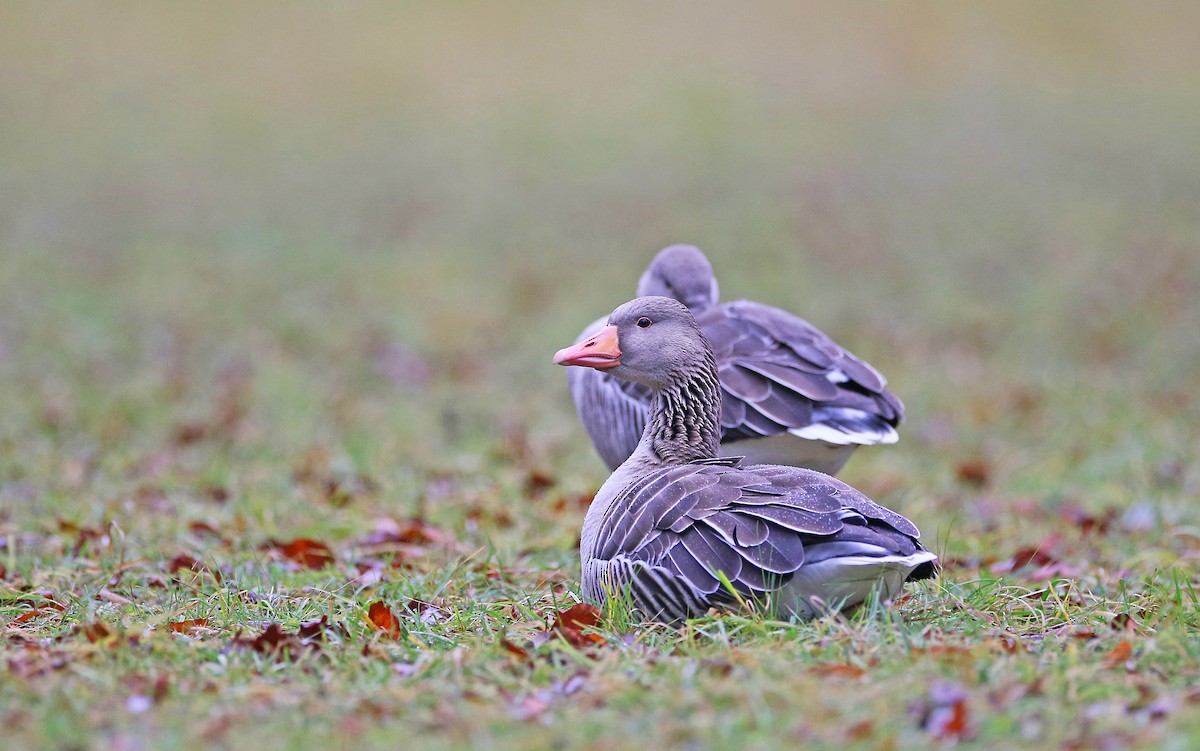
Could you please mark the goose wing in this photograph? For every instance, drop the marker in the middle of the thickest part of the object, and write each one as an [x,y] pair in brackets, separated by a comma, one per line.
[780,373]
[674,536]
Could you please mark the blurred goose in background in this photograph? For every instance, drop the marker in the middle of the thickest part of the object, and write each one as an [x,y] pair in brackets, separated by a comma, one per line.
[803,399]
[678,530]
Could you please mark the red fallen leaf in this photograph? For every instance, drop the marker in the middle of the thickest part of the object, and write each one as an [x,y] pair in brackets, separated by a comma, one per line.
[188,627]
[216,493]
[304,551]
[1119,654]
[188,433]
[976,472]
[276,642]
[537,482]
[1033,555]
[515,650]
[1124,622]
[204,529]
[944,713]
[840,671]
[314,629]
[426,611]
[83,535]
[184,561]
[95,631]
[861,730]
[411,531]
[570,623]
[1075,514]
[576,502]
[578,616]
[29,615]
[1006,643]
[381,618]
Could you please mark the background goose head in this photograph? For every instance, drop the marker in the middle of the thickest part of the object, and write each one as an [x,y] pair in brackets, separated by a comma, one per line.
[654,341]
[683,273]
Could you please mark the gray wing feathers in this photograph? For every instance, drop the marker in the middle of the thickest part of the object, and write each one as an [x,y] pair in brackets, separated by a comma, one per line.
[778,372]
[679,529]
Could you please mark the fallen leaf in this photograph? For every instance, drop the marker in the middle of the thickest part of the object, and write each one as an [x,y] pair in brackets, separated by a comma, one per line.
[315,630]
[536,483]
[204,529]
[860,730]
[835,670]
[515,650]
[95,631]
[943,713]
[276,642]
[304,551]
[381,618]
[975,472]
[570,625]
[1124,622]
[188,627]
[1073,513]
[188,563]
[1119,655]
[410,531]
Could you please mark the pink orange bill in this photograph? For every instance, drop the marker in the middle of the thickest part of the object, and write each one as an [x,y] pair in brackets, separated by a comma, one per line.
[601,350]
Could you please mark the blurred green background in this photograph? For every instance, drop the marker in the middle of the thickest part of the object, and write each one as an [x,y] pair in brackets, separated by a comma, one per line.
[375,222]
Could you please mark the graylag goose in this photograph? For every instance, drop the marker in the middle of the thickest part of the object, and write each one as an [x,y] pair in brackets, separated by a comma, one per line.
[679,531]
[803,399]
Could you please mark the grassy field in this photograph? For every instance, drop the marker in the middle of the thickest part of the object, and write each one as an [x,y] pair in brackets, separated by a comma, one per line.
[279,287]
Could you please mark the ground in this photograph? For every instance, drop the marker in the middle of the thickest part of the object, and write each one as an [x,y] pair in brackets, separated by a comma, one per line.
[284,462]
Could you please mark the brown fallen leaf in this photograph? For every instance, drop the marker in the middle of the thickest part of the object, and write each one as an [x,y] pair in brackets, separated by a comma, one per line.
[188,627]
[184,562]
[1124,622]
[95,631]
[410,531]
[304,551]
[1118,655]
[83,535]
[318,629]
[943,713]
[570,625]
[836,670]
[381,618]
[974,472]
[274,641]
[204,529]
[516,651]
[1072,512]
[537,482]
[44,608]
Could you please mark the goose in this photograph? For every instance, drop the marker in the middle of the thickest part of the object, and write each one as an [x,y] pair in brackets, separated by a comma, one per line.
[679,530]
[789,393]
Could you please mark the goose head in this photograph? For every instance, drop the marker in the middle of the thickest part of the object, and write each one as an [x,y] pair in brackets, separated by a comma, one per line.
[683,273]
[654,341]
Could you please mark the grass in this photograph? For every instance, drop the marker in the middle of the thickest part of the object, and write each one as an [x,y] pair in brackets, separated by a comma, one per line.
[275,274]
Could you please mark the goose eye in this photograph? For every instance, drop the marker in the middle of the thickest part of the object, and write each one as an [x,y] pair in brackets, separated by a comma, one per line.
[644,322]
